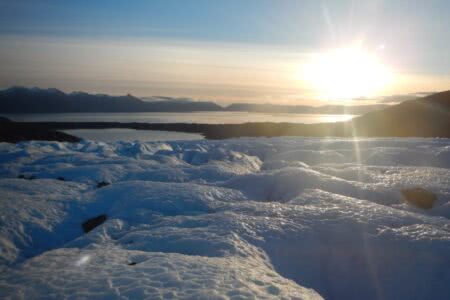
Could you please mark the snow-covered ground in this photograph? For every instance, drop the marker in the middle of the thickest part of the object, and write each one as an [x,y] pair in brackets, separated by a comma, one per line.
[283,218]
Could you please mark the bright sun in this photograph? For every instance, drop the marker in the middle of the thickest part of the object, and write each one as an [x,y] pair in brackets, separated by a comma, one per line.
[346,73]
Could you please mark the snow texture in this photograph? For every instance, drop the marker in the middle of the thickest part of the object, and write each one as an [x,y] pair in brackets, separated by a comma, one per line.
[280,218]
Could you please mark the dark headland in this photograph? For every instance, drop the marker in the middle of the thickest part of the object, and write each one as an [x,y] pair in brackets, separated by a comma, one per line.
[424,117]
[14,132]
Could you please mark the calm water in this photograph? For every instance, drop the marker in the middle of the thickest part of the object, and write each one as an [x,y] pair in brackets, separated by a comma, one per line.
[195,117]
[110,135]
[119,134]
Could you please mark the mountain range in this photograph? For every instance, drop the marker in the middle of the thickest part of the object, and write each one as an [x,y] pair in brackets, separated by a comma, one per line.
[34,100]
[21,100]
[425,117]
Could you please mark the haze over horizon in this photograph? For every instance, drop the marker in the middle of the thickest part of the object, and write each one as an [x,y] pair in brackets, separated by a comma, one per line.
[290,52]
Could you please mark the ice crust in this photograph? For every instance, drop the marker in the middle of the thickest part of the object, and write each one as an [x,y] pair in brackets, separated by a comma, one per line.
[281,218]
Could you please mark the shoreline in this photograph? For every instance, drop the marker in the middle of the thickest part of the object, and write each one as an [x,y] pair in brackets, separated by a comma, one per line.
[428,117]
[21,131]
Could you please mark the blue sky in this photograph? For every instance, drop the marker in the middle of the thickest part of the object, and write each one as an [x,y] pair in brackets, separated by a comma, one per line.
[266,35]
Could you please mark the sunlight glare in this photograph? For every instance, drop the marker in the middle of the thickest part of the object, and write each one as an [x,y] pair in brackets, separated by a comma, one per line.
[83,260]
[346,73]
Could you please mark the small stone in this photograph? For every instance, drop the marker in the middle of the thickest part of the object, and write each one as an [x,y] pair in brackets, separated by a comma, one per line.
[102,184]
[419,197]
[30,177]
[132,263]
[94,222]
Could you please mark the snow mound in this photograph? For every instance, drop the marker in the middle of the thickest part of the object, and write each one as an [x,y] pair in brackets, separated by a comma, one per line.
[112,274]
[279,218]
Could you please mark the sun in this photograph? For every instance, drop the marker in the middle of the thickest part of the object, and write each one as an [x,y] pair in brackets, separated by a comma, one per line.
[346,73]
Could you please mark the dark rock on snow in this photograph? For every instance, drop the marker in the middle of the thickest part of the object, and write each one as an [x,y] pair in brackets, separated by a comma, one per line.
[28,177]
[94,222]
[102,184]
[419,197]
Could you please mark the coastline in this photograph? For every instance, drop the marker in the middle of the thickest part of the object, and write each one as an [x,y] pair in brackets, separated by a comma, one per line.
[20,131]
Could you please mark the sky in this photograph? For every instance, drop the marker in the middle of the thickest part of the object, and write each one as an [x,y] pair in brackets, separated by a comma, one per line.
[259,51]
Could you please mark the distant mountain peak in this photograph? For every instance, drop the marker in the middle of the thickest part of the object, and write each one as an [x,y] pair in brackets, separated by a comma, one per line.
[78,93]
[22,89]
[38,100]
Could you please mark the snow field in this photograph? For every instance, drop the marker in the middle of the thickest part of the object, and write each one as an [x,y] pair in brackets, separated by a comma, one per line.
[289,218]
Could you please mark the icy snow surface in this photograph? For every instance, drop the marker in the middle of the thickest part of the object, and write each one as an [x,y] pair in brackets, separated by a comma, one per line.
[282,218]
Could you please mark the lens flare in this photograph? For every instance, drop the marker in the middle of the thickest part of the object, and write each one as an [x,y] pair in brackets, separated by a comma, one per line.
[346,73]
